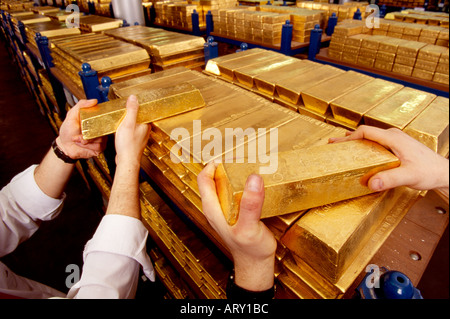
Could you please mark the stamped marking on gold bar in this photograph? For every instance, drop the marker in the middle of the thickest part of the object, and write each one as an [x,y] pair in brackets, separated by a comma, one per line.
[105,118]
[306,178]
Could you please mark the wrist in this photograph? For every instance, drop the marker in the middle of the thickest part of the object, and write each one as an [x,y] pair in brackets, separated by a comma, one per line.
[60,151]
[255,274]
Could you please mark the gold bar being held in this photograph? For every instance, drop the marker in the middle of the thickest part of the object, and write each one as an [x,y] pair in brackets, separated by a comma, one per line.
[105,118]
[306,178]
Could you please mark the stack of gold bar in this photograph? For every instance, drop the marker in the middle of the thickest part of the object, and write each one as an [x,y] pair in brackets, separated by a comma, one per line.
[49,29]
[302,20]
[406,57]
[421,17]
[106,55]
[45,9]
[60,16]
[177,153]
[16,5]
[102,7]
[342,11]
[346,99]
[94,23]
[204,270]
[176,13]
[167,49]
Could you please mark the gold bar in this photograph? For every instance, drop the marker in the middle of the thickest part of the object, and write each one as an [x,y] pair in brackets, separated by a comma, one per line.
[431,126]
[319,97]
[266,82]
[212,65]
[305,178]
[290,89]
[399,109]
[351,107]
[105,118]
[329,238]
[227,68]
[246,75]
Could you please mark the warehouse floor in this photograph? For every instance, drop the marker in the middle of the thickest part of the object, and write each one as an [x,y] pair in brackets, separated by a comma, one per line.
[25,138]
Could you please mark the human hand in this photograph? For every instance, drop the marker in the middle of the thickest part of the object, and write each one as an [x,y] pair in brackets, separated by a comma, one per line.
[250,242]
[421,168]
[70,140]
[131,137]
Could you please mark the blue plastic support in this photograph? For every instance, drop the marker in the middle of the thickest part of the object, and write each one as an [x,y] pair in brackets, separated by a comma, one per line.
[125,24]
[211,49]
[91,6]
[390,285]
[243,47]
[195,23]
[383,11]
[42,44]
[103,89]
[89,79]
[284,4]
[23,33]
[286,37]
[268,3]
[315,42]
[357,15]
[111,10]
[209,23]
[332,22]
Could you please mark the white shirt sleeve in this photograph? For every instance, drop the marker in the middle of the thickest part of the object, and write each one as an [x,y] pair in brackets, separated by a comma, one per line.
[112,259]
[23,206]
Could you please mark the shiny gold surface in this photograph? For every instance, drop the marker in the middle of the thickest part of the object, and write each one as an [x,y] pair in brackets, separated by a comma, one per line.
[319,97]
[351,107]
[212,65]
[105,118]
[266,82]
[431,126]
[247,74]
[290,89]
[329,237]
[227,68]
[305,178]
[399,109]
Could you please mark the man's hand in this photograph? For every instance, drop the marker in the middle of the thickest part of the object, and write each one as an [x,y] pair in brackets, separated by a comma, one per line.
[250,242]
[131,137]
[70,140]
[421,168]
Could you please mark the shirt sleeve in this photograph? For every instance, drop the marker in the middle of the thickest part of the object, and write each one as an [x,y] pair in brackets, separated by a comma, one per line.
[112,259]
[23,205]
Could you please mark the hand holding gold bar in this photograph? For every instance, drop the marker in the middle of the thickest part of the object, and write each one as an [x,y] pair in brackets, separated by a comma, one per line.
[306,178]
[105,118]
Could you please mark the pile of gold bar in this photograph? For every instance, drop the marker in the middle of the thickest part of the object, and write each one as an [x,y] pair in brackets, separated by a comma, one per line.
[50,29]
[403,3]
[45,9]
[406,57]
[348,99]
[363,223]
[262,2]
[430,34]
[94,23]
[178,13]
[263,24]
[167,49]
[342,11]
[106,55]
[16,5]
[421,17]
[200,267]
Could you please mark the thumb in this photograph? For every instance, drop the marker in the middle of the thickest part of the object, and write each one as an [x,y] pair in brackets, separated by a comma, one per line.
[132,111]
[251,202]
[390,179]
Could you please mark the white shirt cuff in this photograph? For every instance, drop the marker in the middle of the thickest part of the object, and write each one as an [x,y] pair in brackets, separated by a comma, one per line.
[32,199]
[122,235]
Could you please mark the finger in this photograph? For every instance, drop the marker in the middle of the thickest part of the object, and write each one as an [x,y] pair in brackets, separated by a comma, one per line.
[132,111]
[390,179]
[252,202]
[210,201]
[82,104]
[381,136]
